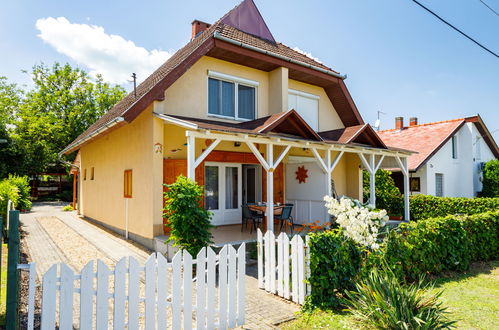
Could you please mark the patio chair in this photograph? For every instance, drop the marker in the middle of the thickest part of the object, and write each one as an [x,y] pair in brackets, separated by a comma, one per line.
[285,217]
[249,215]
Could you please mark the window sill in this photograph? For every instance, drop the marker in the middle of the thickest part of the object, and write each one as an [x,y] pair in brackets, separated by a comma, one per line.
[229,118]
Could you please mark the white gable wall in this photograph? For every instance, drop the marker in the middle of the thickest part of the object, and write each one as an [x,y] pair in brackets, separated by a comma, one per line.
[461,176]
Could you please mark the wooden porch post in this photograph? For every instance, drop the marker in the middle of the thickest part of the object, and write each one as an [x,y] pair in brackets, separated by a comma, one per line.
[191,156]
[372,181]
[75,178]
[405,171]
[270,187]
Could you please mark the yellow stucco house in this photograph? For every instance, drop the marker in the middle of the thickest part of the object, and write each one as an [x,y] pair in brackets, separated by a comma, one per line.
[238,112]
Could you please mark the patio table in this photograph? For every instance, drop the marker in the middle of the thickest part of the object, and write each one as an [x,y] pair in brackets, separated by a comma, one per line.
[263,209]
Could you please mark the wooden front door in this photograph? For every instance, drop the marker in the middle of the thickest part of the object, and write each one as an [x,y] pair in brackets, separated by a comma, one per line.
[278,184]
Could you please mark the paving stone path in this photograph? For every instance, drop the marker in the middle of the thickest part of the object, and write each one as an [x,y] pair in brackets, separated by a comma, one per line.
[263,310]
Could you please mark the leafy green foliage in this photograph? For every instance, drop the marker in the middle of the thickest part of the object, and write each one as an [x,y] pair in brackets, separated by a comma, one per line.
[388,196]
[335,262]
[63,103]
[491,179]
[16,189]
[67,208]
[7,192]
[483,235]
[382,301]
[425,206]
[188,220]
[23,188]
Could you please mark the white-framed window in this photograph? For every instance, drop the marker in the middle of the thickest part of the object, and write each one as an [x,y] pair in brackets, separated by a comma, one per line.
[454,147]
[439,184]
[231,97]
[307,106]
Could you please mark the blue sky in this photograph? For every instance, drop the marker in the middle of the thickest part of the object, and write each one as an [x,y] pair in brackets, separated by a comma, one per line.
[399,59]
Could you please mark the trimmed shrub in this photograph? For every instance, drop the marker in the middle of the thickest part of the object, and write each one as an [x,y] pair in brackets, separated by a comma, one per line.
[491,179]
[483,234]
[8,191]
[188,220]
[335,262]
[426,206]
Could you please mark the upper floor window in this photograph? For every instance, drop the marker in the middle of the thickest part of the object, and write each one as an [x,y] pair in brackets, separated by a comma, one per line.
[307,106]
[231,97]
[454,147]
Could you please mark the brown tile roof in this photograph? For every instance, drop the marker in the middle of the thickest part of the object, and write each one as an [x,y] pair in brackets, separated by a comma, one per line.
[426,139]
[360,134]
[149,85]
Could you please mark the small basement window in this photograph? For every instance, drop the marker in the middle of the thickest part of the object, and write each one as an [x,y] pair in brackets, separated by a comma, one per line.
[127,184]
[92,173]
[84,174]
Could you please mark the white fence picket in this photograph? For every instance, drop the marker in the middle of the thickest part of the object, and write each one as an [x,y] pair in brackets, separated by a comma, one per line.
[150,291]
[241,289]
[232,288]
[280,263]
[266,262]
[119,294]
[285,253]
[177,291]
[210,282]
[272,262]
[301,270]
[49,286]
[162,291]
[102,303]
[294,268]
[121,306]
[201,289]
[222,288]
[66,297]
[87,296]
[187,294]
[259,246]
[133,293]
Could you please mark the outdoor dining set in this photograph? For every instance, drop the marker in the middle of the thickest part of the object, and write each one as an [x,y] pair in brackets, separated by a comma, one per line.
[254,214]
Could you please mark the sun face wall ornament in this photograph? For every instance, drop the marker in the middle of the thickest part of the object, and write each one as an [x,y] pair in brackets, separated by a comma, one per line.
[301,174]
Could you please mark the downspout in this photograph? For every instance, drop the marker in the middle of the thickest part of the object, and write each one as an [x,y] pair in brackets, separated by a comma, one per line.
[217,35]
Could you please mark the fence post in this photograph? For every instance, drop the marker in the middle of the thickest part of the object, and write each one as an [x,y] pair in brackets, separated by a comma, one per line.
[12,271]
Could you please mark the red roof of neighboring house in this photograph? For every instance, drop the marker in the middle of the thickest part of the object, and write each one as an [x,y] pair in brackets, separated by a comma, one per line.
[428,138]
[153,87]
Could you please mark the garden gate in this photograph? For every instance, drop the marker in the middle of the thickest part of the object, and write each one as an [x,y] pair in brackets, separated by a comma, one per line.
[159,295]
[283,273]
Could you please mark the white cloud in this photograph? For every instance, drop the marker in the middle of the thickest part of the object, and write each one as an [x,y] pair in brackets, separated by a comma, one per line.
[107,54]
[309,55]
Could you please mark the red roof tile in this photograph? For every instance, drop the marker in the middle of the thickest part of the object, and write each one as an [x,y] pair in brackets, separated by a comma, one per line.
[426,139]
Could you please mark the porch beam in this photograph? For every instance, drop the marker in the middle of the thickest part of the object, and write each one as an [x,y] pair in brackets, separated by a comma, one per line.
[405,171]
[294,143]
[336,160]
[258,155]
[191,157]
[270,188]
[379,163]
[205,153]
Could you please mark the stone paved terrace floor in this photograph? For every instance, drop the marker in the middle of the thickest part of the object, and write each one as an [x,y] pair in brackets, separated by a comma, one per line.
[47,246]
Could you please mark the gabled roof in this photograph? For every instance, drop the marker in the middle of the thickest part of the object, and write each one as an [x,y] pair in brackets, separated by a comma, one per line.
[230,39]
[428,138]
[360,134]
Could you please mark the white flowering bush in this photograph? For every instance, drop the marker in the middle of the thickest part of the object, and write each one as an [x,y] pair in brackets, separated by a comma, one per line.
[359,223]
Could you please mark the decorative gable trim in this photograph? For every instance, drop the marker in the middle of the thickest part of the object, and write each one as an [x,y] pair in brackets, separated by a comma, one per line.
[292,120]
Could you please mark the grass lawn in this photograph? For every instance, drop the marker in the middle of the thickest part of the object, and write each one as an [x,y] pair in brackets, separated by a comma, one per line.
[3,285]
[472,299]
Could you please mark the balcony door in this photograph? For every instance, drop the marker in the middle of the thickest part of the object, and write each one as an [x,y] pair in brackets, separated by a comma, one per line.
[223,192]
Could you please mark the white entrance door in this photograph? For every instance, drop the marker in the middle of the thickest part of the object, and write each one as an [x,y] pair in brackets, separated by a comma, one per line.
[223,192]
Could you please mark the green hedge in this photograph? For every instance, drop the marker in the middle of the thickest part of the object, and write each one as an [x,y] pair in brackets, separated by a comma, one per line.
[16,189]
[335,262]
[491,179]
[425,206]
[429,246]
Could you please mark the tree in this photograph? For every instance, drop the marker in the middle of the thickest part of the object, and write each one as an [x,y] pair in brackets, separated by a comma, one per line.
[388,196]
[63,103]
[491,179]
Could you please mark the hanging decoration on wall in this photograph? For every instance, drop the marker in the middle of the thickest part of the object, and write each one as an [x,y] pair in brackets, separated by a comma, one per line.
[158,148]
[301,174]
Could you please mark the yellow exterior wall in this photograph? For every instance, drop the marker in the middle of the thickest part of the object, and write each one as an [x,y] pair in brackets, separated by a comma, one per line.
[129,147]
[188,96]
[328,117]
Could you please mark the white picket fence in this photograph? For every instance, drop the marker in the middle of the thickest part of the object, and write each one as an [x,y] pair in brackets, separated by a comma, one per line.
[159,295]
[283,265]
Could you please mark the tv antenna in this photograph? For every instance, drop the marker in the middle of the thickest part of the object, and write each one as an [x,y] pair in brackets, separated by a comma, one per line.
[134,77]
[377,124]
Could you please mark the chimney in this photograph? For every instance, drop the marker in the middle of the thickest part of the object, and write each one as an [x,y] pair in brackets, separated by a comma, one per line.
[413,121]
[198,27]
[399,122]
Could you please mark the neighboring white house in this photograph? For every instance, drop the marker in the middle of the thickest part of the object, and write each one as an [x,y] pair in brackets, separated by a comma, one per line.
[450,155]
